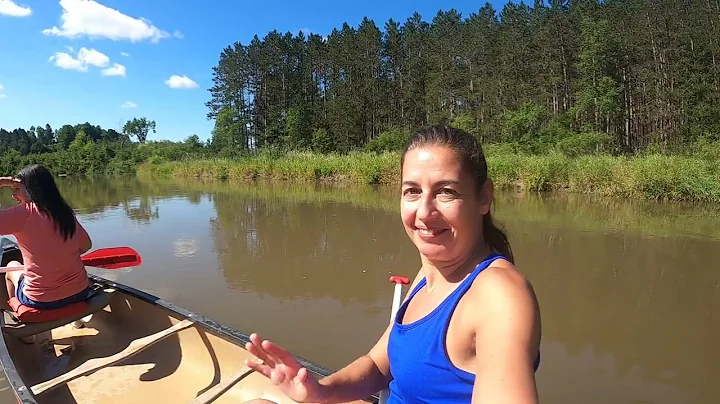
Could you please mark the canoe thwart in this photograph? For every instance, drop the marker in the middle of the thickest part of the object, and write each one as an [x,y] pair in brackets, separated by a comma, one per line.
[94,365]
[219,389]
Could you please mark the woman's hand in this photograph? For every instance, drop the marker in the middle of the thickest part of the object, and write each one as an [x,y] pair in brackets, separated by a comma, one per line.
[283,370]
[9,182]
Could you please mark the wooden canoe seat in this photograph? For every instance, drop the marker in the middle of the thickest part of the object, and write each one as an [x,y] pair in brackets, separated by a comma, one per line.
[13,325]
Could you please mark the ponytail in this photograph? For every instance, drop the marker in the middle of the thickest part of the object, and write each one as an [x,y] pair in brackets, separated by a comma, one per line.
[496,239]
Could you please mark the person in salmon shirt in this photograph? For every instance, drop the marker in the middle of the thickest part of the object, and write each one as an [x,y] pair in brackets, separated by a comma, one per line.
[50,239]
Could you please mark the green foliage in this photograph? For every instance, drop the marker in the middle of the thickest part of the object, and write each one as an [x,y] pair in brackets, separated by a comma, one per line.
[466,122]
[321,142]
[391,140]
[86,149]
[578,144]
[520,125]
[139,128]
[655,176]
[366,168]
[528,73]
[228,136]
[297,129]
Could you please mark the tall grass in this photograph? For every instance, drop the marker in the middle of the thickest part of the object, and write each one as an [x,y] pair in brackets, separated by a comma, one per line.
[562,209]
[366,168]
[652,176]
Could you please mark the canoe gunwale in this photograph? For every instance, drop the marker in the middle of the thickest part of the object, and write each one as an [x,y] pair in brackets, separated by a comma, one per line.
[25,396]
[17,384]
[21,391]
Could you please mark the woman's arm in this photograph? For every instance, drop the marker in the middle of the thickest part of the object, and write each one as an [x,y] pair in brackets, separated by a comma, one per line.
[9,181]
[362,378]
[12,219]
[368,374]
[83,238]
[507,338]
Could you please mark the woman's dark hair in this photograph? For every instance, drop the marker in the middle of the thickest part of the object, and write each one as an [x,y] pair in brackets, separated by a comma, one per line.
[473,160]
[42,190]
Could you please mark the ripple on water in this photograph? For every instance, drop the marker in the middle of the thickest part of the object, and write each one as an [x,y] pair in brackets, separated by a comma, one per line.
[185,247]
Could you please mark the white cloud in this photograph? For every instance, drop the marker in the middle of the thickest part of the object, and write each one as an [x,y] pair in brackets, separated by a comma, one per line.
[66,61]
[10,8]
[3,96]
[85,57]
[128,104]
[180,82]
[116,70]
[124,54]
[93,57]
[94,20]
[1,87]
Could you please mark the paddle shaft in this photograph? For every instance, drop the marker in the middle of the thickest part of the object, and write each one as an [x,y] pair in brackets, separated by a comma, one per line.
[399,281]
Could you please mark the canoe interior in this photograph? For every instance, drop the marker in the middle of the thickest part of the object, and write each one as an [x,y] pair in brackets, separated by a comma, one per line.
[174,370]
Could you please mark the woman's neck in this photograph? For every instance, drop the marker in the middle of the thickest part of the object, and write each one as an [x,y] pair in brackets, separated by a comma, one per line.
[444,272]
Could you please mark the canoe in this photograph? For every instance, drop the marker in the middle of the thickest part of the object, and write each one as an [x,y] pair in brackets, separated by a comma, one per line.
[132,348]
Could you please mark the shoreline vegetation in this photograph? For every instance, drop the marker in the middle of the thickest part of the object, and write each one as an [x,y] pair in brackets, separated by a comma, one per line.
[650,176]
[139,196]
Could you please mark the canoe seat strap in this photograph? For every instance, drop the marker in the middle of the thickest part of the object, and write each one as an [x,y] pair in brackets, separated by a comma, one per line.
[219,389]
[93,365]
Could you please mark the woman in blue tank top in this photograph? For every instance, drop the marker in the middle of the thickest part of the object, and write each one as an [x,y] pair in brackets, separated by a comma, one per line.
[469,329]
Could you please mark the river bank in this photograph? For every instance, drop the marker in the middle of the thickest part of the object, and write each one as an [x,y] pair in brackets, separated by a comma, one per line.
[651,176]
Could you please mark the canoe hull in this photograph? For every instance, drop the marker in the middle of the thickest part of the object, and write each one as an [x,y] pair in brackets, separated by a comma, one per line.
[175,369]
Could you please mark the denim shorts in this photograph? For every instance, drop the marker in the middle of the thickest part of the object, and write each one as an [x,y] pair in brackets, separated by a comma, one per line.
[78,297]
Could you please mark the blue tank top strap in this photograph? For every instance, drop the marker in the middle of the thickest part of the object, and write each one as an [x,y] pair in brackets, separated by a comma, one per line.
[419,363]
[460,289]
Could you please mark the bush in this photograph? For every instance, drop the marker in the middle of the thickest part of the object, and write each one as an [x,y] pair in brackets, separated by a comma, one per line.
[389,141]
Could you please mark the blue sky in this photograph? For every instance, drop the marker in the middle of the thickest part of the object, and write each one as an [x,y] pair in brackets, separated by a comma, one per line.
[106,61]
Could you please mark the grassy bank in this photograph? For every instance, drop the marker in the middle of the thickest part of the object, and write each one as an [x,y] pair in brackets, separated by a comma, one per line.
[650,176]
[515,210]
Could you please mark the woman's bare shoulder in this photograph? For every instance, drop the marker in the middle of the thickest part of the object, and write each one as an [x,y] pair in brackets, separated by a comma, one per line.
[504,291]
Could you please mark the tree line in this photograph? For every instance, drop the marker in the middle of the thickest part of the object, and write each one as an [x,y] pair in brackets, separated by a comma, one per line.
[43,139]
[91,149]
[617,75]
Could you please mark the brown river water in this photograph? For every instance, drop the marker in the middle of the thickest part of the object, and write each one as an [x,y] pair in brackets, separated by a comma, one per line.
[629,290]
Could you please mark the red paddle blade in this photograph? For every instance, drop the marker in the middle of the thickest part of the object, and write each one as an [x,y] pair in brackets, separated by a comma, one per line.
[112,258]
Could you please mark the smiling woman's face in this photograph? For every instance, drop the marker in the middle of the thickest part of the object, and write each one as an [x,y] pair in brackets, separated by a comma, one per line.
[441,208]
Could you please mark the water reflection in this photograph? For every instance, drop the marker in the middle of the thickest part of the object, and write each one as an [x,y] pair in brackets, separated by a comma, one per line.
[631,312]
[141,210]
[298,250]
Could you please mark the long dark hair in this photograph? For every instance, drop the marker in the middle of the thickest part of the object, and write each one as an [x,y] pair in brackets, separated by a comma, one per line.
[42,190]
[472,159]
